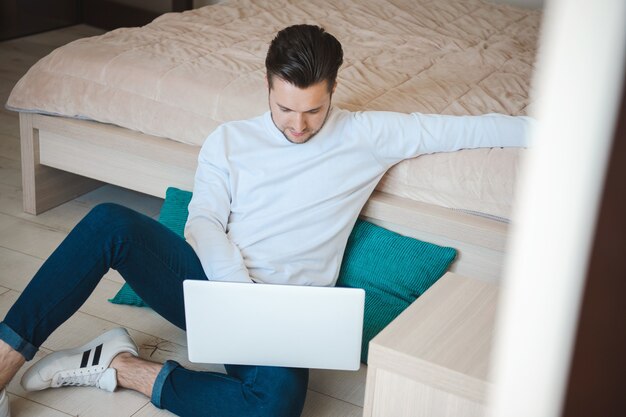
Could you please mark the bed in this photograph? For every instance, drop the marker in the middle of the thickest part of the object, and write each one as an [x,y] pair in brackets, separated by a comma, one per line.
[131,107]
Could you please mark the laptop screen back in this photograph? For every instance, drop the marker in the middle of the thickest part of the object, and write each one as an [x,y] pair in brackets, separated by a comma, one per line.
[274,325]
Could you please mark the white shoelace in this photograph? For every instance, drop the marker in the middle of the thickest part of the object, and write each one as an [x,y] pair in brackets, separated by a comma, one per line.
[101,377]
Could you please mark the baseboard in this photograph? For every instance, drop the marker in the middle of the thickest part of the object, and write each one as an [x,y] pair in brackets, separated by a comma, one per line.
[108,14]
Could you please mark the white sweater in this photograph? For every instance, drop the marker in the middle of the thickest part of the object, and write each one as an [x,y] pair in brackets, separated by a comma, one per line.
[267,210]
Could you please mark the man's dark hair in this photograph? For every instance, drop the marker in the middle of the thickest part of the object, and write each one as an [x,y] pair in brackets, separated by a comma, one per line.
[304,55]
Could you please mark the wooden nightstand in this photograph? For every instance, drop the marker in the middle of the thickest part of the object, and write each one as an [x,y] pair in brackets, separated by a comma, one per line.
[433,360]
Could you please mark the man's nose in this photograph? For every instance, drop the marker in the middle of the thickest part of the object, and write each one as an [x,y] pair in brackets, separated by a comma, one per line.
[299,123]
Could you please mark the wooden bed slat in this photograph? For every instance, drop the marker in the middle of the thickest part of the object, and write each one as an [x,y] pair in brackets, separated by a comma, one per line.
[45,187]
[144,163]
[427,218]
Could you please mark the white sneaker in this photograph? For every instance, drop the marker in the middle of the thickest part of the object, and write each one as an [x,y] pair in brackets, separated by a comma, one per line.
[87,365]
[5,411]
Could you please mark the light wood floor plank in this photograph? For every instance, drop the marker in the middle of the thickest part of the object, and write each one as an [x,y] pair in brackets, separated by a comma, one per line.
[10,147]
[151,411]
[10,171]
[62,218]
[24,407]
[139,318]
[347,386]
[10,200]
[143,203]
[319,405]
[17,268]
[27,237]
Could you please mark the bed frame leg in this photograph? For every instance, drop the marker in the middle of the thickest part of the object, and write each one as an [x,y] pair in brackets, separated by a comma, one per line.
[45,187]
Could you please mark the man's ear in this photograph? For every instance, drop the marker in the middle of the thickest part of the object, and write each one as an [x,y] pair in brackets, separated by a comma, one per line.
[334,87]
[267,82]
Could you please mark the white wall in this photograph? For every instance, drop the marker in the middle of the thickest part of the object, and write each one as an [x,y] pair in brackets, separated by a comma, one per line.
[578,85]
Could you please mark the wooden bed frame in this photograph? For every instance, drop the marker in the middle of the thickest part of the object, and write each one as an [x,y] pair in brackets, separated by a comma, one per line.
[63,158]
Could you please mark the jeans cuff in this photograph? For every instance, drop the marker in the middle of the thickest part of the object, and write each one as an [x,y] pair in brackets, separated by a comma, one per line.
[157,389]
[17,342]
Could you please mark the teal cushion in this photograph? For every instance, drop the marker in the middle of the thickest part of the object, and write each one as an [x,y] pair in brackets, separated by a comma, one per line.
[174,211]
[393,269]
[173,215]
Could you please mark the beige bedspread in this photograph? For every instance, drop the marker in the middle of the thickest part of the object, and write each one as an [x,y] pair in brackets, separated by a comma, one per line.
[184,74]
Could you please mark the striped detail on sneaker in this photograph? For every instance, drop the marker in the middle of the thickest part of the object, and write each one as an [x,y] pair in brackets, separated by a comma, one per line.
[96,357]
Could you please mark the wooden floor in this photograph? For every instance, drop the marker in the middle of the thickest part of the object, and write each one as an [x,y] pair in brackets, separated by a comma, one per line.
[26,241]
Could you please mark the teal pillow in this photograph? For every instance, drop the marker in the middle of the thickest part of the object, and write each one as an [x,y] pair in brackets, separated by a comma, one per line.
[393,269]
[173,215]
[174,210]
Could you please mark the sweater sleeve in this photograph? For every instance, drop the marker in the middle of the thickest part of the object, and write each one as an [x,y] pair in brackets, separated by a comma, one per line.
[209,209]
[399,136]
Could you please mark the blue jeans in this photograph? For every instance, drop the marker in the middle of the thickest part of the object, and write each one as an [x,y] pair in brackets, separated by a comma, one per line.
[154,261]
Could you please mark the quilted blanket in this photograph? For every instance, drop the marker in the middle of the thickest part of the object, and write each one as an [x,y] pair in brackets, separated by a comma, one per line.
[185,73]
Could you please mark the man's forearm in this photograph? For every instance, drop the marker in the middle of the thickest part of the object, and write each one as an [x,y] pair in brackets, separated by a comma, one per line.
[220,258]
[452,133]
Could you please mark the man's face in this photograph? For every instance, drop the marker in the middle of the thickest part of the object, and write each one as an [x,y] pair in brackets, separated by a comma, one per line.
[299,113]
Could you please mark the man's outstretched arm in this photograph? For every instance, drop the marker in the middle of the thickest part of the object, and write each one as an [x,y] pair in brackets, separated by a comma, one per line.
[400,136]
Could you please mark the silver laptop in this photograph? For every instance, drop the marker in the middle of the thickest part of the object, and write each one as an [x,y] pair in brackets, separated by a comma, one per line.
[273,325]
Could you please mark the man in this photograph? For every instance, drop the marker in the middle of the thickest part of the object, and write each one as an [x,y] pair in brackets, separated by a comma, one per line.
[275,198]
